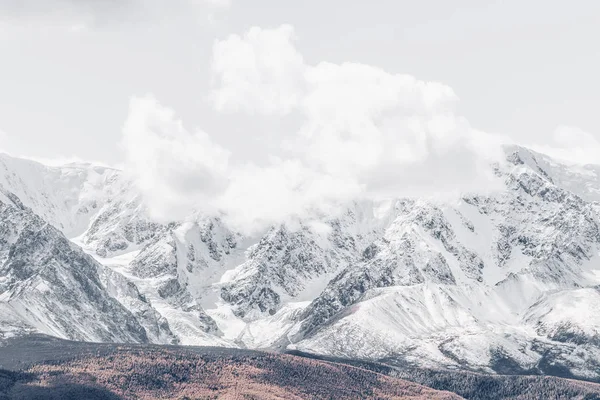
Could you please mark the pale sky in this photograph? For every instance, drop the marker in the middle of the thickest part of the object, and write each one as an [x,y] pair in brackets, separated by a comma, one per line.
[69,68]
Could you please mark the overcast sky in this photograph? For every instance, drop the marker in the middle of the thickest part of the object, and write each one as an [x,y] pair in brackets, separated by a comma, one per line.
[69,68]
[211,101]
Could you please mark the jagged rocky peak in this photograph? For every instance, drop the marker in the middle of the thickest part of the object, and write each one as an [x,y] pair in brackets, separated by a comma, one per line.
[294,263]
[275,266]
[581,180]
[120,225]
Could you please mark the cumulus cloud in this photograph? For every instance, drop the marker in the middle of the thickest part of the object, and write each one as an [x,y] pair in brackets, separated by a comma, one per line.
[179,172]
[364,133]
[258,72]
[573,145]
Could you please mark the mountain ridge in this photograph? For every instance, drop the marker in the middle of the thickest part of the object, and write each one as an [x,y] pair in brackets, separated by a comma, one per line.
[439,284]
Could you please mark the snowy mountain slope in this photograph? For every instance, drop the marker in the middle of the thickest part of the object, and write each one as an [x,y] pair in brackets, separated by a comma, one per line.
[295,264]
[127,293]
[51,285]
[97,203]
[490,281]
[567,316]
[582,180]
[184,265]
[174,271]
[120,225]
[486,269]
[66,197]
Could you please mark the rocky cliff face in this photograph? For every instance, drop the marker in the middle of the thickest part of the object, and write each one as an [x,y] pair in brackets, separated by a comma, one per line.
[492,281]
[51,285]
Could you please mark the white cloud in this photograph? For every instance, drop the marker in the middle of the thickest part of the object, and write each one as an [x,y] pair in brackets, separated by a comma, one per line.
[176,171]
[260,71]
[364,132]
[359,115]
[573,145]
[258,197]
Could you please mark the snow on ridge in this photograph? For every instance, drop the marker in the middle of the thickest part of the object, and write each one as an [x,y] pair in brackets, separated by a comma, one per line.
[443,284]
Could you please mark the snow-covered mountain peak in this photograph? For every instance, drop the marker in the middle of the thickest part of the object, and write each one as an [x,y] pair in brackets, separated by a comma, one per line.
[485,279]
[66,196]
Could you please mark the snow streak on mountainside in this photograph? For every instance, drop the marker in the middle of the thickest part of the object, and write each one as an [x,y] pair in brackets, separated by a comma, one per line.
[490,281]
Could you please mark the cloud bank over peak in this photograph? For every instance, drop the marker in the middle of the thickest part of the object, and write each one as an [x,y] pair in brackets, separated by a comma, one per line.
[363,132]
[176,171]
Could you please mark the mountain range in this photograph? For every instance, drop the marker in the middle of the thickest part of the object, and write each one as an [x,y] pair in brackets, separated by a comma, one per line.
[503,281]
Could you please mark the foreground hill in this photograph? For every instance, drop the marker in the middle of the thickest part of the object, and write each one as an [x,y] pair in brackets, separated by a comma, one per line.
[48,368]
[101,371]
[477,386]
